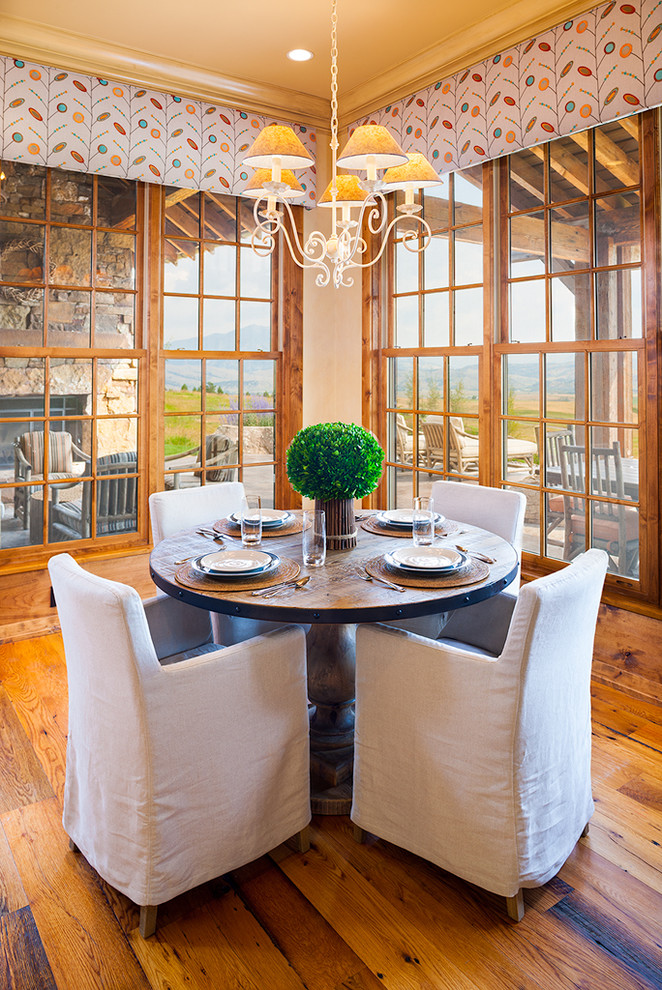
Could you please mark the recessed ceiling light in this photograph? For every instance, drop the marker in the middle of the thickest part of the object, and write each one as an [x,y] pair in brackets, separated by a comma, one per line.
[300,55]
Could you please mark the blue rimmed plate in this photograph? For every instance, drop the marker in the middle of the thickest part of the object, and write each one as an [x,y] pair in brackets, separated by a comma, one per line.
[427,560]
[235,563]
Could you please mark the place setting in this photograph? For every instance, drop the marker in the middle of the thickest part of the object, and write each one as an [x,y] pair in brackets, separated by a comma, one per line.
[242,566]
[399,523]
[422,563]
[274,522]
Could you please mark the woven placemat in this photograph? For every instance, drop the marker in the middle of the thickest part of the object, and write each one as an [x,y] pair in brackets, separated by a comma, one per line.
[231,528]
[446,528]
[470,573]
[287,570]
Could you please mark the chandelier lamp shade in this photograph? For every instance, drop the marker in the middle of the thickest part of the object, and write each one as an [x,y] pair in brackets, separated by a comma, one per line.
[277,152]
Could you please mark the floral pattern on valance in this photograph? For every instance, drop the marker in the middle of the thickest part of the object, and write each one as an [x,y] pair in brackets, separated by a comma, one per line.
[601,65]
[69,120]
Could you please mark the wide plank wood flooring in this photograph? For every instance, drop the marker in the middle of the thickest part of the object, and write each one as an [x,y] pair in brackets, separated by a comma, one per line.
[341,917]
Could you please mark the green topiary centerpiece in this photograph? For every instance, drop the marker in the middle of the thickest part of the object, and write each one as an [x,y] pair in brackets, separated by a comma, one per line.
[334,463]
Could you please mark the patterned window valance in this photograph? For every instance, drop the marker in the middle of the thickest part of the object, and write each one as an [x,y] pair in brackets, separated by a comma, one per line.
[597,67]
[69,120]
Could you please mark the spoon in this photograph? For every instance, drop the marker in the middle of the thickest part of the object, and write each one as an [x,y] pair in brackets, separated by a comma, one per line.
[474,553]
[286,585]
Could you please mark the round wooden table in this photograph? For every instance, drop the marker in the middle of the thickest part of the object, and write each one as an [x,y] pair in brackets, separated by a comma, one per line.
[333,601]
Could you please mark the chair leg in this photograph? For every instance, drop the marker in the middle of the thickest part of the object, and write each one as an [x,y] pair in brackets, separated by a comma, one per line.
[301,841]
[515,906]
[72,845]
[147,924]
[585,831]
[359,834]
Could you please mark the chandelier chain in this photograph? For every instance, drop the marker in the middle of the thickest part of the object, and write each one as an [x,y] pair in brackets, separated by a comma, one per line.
[334,83]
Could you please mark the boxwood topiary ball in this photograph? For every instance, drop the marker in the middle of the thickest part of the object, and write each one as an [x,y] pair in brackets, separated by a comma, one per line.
[334,460]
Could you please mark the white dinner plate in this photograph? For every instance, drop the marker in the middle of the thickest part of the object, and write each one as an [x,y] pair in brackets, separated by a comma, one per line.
[436,559]
[403,517]
[271,518]
[226,563]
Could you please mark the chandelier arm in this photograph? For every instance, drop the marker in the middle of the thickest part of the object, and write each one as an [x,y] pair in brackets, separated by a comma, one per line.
[424,235]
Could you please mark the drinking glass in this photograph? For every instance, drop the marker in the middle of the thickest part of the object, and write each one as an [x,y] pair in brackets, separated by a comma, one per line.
[251,520]
[423,521]
[314,538]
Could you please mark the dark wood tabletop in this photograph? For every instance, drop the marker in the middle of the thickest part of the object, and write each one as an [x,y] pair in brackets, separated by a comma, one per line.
[335,593]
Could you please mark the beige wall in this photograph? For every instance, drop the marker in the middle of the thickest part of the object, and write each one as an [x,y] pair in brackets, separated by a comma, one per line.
[331,331]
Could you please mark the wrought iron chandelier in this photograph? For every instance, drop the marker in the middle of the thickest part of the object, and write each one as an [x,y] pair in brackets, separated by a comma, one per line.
[277,152]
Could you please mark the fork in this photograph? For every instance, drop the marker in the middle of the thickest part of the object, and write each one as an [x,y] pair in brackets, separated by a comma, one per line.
[381,580]
[476,554]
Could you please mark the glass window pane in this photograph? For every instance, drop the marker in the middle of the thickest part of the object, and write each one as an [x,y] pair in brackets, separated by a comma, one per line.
[568,170]
[220,222]
[531,532]
[521,384]
[119,435]
[468,194]
[116,202]
[406,268]
[435,204]
[182,212]
[71,197]
[181,268]
[222,385]
[617,229]
[247,224]
[21,252]
[401,487]
[21,316]
[116,260]
[436,328]
[180,323]
[183,385]
[220,261]
[255,275]
[615,528]
[569,237]
[519,449]
[23,191]
[564,386]
[402,382]
[527,245]
[70,256]
[616,155]
[117,386]
[218,324]
[71,390]
[571,307]
[258,437]
[614,395]
[70,513]
[221,450]
[431,383]
[527,312]
[255,326]
[435,262]
[260,481]
[406,321]
[527,179]
[69,318]
[182,449]
[21,387]
[618,304]
[463,385]
[615,462]
[114,319]
[260,384]
[469,255]
[468,317]
[556,435]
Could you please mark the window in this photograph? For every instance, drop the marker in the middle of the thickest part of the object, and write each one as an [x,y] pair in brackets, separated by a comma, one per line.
[71,360]
[434,342]
[520,349]
[220,331]
[573,358]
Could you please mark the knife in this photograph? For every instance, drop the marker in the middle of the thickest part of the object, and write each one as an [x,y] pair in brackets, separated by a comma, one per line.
[267,592]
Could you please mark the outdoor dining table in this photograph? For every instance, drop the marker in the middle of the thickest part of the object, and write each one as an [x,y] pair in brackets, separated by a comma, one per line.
[336,598]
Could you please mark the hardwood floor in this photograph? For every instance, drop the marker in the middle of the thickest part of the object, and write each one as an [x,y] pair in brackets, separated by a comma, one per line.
[343,915]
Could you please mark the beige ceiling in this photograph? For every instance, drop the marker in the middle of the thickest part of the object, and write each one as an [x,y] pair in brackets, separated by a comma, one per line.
[386,49]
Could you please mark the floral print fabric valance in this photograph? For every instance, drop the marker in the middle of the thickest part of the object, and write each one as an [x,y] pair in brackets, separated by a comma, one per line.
[69,120]
[599,66]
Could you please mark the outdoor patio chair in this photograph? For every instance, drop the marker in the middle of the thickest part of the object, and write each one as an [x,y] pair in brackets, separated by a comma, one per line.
[29,467]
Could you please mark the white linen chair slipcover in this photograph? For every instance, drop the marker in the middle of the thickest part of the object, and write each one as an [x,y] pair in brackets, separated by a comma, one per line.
[498,510]
[183,508]
[176,772]
[481,764]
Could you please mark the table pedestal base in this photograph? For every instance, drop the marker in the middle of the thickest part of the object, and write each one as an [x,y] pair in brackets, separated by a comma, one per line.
[331,650]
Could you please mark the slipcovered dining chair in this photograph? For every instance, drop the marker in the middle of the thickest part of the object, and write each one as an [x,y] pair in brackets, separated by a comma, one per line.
[478,758]
[184,508]
[184,760]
